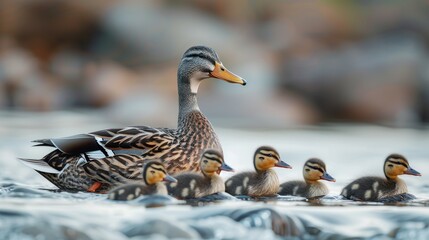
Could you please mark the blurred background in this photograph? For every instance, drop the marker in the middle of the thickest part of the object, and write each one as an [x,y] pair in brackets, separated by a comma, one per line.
[306,62]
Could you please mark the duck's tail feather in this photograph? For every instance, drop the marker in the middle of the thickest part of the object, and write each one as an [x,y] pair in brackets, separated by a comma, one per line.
[39,165]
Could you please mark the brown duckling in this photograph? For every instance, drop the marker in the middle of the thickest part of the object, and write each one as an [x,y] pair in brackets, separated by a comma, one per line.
[193,185]
[154,174]
[377,188]
[313,171]
[263,182]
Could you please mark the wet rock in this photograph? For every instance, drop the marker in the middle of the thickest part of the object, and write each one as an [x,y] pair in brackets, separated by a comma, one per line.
[267,218]
[155,201]
[162,227]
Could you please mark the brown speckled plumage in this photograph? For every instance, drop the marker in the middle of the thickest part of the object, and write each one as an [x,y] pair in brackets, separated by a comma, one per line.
[179,149]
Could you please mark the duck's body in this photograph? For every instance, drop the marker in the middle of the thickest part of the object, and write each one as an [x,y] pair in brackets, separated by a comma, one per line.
[262,182]
[377,188]
[154,174]
[313,171]
[179,149]
[254,184]
[197,185]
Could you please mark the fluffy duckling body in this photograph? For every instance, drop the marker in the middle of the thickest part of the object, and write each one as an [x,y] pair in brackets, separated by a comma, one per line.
[194,185]
[262,182]
[313,171]
[377,188]
[154,174]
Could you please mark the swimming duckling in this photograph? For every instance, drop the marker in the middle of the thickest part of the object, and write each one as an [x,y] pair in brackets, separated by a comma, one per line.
[194,185]
[263,182]
[313,171]
[377,188]
[154,174]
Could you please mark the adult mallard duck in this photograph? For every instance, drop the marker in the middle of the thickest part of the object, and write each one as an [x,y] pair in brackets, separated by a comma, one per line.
[179,149]
[313,171]
[380,189]
[263,182]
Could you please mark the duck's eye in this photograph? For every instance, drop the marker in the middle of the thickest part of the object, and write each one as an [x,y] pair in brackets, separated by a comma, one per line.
[261,158]
[152,171]
[390,165]
[222,69]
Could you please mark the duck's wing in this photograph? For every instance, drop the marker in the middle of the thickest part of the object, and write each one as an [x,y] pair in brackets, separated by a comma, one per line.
[144,139]
[109,142]
[123,168]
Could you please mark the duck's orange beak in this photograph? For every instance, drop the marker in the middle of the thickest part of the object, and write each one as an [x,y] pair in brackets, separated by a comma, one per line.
[221,72]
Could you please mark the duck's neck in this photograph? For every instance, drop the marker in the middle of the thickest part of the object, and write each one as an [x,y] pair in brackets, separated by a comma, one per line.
[187,101]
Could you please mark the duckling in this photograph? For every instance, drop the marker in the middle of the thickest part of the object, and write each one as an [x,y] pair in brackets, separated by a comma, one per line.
[377,188]
[263,182]
[313,171]
[195,185]
[153,174]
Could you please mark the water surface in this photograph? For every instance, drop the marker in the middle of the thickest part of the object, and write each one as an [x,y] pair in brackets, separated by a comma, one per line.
[30,207]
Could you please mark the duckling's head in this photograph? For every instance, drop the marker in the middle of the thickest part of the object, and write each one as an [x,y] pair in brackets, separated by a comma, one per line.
[395,165]
[315,170]
[154,172]
[212,163]
[267,157]
[199,63]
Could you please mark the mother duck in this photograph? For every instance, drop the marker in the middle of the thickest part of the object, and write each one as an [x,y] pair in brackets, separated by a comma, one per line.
[79,162]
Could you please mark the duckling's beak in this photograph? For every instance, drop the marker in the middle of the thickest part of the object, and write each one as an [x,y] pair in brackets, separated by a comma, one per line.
[327,177]
[221,72]
[282,164]
[169,178]
[411,171]
[225,167]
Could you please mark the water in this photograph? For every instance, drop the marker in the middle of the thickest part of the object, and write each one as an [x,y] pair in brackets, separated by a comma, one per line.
[31,209]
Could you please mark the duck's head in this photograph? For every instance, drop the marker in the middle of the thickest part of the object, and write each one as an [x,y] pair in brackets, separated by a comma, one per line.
[395,165]
[212,163]
[267,157]
[154,172]
[315,170]
[199,63]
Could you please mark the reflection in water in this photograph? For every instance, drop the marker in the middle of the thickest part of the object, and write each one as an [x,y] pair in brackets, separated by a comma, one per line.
[29,207]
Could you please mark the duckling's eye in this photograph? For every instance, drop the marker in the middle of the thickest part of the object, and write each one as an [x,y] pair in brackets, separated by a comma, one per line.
[152,171]
[261,158]
[307,170]
[270,155]
[222,69]
[390,165]
[205,161]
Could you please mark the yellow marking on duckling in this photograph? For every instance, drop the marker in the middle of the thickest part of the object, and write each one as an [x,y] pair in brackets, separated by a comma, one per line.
[295,189]
[121,191]
[368,194]
[245,182]
[173,185]
[192,184]
[355,186]
[375,186]
[238,190]
[130,197]
[137,191]
[185,192]
[344,192]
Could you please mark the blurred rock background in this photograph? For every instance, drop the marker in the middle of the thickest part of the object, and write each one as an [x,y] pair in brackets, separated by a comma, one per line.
[306,62]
